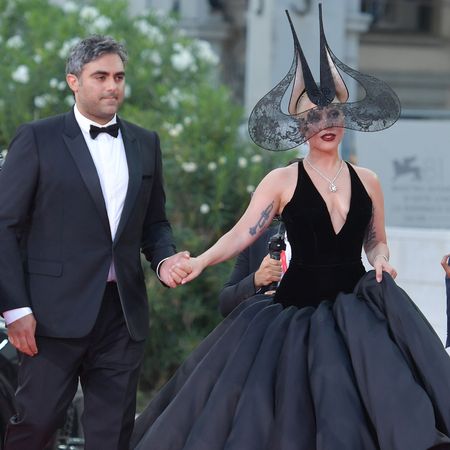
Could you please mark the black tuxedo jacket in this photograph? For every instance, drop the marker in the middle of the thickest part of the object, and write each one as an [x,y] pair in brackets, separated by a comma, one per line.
[55,240]
[240,285]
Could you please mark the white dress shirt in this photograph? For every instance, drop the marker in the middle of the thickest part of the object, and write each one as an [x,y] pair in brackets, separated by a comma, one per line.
[108,154]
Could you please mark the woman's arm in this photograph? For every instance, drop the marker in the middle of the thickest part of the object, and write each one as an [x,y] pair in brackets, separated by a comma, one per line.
[265,203]
[375,243]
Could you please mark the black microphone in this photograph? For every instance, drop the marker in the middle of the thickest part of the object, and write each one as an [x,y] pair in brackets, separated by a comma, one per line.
[276,246]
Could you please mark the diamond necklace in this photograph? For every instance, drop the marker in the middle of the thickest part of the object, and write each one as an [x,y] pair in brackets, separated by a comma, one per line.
[332,186]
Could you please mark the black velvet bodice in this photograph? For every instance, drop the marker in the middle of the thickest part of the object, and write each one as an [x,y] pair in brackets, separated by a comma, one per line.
[323,263]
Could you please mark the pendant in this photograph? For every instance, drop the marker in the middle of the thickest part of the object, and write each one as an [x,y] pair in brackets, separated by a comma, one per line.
[332,187]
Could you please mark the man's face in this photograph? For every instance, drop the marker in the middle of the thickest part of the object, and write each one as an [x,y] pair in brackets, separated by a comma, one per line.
[99,90]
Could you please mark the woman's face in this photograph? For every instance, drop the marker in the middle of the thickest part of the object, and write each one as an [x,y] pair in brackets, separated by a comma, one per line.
[327,139]
[324,125]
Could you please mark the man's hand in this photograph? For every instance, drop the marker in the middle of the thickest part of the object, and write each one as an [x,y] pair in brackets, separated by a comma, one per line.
[174,269]
[21,334]
[444,264]
[269,271]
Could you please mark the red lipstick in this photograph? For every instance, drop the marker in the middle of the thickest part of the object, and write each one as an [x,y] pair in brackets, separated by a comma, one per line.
[328,137]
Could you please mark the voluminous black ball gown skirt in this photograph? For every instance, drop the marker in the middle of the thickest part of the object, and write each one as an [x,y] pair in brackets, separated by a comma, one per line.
[364,372]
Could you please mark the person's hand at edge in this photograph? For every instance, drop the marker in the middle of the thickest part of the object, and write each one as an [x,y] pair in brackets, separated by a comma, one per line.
[444,264]
[269,272]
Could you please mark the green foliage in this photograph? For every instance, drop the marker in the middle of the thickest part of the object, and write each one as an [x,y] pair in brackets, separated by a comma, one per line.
[172,87]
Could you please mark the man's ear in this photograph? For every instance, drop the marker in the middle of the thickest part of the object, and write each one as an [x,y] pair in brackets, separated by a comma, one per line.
[72,81]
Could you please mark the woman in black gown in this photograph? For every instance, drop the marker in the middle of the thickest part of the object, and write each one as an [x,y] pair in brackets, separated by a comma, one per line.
[340,359]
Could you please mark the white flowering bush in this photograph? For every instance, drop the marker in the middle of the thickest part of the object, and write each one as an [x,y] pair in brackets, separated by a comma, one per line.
[172,88]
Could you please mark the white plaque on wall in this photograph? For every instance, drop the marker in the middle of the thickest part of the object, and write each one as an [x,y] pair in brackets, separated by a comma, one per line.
[412,160]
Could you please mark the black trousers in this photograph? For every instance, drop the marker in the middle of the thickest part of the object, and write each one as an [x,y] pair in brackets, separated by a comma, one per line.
[107,363]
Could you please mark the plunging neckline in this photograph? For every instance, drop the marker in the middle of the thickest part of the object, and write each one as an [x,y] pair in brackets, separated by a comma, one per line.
[324,203]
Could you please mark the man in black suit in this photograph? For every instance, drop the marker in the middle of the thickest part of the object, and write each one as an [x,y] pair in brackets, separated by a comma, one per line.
[81,195]
[253,273]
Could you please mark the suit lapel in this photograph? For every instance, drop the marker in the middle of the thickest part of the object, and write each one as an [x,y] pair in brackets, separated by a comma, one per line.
[74,139]
[134,175]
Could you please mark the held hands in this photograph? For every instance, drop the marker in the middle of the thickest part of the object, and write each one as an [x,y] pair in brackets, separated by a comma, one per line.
[197,267]
[21,334]
[269,272]
[381,264]
[446,267]
[175,268]
[180,269]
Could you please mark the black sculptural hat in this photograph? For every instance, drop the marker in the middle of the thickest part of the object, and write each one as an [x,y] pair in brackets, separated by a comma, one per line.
[272,129]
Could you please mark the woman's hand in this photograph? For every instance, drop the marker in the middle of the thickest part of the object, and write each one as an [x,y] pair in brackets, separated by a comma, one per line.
[381,264]
[197,266]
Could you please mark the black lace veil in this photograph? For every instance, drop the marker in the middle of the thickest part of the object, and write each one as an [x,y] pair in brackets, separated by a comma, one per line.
[272,129]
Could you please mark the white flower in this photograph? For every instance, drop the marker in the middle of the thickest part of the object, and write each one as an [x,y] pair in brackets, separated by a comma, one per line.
[101,23]
[127,92]
[143,26]
[189,166]
[175,131]
[175,96]
[53,83]
[49,45]
[204,208]
[182,60]
[242,162]
[149,30]
[222,160]
[256,158]
[187,120]
[15,42]
[89,13]
[41,101]
[37,59]
[21,74]
[171,100]
[250,188]
[212,166]
[69,100]
[67,46]
[152,56]
[62,85]
[177,47]
[205,52]
[69,7]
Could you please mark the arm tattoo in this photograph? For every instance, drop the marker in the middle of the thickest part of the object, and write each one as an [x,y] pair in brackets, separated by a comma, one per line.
[265,214]
[370,237]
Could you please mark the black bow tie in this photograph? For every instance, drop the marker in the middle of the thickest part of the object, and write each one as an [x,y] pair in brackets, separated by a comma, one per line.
[112,130]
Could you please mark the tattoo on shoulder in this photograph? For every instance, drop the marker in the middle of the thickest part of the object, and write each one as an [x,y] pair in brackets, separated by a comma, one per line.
[370,237]
[264,217]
